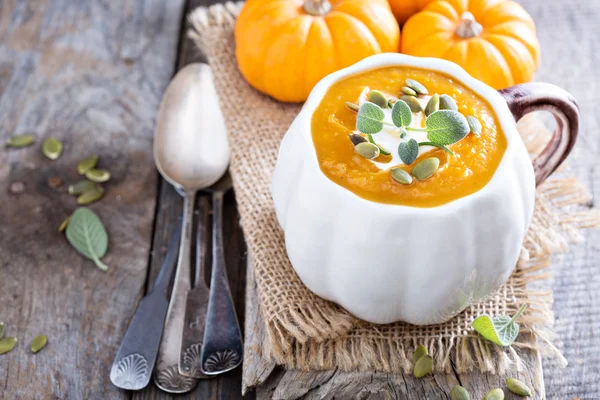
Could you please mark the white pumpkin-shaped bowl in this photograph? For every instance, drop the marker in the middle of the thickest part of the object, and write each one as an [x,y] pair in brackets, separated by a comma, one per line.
[387,263]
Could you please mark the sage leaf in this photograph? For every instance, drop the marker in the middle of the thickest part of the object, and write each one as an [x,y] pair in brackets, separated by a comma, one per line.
[445,127]
[401,114]
[7,344]
[408,151]
[501,330]
[370,118]
[87,235]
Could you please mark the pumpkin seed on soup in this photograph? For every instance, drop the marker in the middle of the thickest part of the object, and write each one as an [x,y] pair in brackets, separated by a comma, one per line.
[408,91]
[423,367]
[401,176]
[494,394]
[416,86]
[38,343]
[18,141]
[412,102]
[367,150]
[447,103]
[7,344]
[474,125]
[376,97]
[518,387]
[52,148]
[87,164]
[355,138]
[433,105]
[426,168]
[91,195]
[98,175]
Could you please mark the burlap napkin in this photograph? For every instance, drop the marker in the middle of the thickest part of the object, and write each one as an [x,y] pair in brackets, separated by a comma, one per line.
[307,332]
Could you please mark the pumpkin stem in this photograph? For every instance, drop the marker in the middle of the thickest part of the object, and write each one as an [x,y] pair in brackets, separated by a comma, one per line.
[468,27]
[317,7]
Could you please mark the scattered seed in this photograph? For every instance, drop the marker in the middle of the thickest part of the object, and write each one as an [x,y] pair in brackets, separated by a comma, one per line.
[401,176]
[367,150]
[423,366]
[52,148]
[416,86]
[87,164]
[412,102]
[351,106]
[355,138]
[91,195]
[433,105]
[17,187]
[408,91]
[518,387]
[98,175]
[420,351]
[38,343]
[80,187]
[7,344]
[447,103]
[54,182]
[494,394]
[1,330]
[18,141]
[426,168]
[376,97]
[459,393]
[474,125]
[64,224]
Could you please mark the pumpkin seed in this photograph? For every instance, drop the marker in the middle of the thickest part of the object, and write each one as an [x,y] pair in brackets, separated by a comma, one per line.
[408,91]
[91,195]
[447,103]
[38,343]
[7,344]
[367,150]
[420,351]
[474,125]
[20,140]
[459,393]
[494,394]
[426,168]
[351,106]
[52,148]
[64,224]
[416,86]
[412,102]
[87,164]
[423,366]
[98,175]
[433,105]
[1,330]
[376,97]
[403,177]
[80,187]
[518,387]
[355,138]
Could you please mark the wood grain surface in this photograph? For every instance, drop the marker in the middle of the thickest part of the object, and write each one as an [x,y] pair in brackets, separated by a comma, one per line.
[92,74]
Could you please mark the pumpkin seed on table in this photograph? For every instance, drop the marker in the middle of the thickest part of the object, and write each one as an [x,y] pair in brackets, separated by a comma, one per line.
[423,366]
[1,330]
[474,125]
[91,195]
[98,175]
[19,141]
[38,343]
[401,176]
[376,97]
[355,138]
[64,224]
[459,393]
[367,150]
[412,102]
[7,344]
[426,168]
[494,394]
[518,387]
[433,105]
[52,148]
[408,91]
[416,86]
[447,103]
[80,187]
[87,164]
[420,351]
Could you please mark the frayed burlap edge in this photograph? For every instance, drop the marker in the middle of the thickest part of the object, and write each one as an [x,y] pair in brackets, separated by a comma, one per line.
[328,338]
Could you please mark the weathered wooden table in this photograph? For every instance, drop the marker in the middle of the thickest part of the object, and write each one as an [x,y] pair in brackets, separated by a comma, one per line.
[92,74]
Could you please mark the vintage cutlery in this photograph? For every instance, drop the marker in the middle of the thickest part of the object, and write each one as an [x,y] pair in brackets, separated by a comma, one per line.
[197,302]
[191,152]
[222,347]
[135,359]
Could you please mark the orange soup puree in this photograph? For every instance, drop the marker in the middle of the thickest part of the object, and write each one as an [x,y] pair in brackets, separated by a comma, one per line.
[475,159]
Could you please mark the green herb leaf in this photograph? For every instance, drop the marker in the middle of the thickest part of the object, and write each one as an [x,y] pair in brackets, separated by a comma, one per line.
[401,114]
[408,151]
[445,127]
[501,330]
[439,146]
[370,118]
[87,235]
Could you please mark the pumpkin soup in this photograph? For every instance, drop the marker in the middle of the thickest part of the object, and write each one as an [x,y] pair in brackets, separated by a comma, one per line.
[408,136]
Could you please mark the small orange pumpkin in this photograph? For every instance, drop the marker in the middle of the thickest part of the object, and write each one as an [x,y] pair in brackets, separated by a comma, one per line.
[404,9]
[284,47]
[494,40]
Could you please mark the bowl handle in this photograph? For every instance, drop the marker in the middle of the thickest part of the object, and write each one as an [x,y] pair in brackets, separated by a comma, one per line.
[536,96]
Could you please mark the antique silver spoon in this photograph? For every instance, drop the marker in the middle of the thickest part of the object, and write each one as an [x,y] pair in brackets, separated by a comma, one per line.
[191,152]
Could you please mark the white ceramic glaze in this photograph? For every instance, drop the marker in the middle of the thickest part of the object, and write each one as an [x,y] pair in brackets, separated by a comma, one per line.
[387,263]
